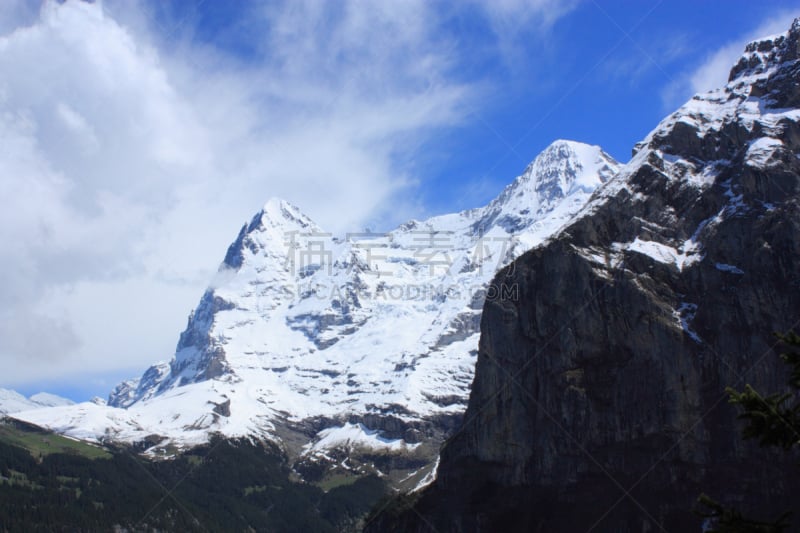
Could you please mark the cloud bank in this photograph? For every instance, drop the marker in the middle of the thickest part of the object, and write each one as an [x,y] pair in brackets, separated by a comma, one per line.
[132,147]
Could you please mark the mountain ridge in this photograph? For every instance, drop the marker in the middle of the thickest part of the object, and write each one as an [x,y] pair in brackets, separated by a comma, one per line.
[599,394]
[13,402]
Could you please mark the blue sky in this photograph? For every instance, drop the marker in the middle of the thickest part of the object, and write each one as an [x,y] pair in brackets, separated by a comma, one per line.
[139,136]
[602,72]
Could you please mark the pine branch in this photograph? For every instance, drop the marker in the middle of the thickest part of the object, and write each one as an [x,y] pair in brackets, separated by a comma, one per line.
[771,420]
[723,519]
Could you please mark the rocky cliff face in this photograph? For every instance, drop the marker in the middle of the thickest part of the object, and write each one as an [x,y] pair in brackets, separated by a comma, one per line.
[598,401]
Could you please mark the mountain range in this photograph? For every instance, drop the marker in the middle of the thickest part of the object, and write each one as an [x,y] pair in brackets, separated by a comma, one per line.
[340,346]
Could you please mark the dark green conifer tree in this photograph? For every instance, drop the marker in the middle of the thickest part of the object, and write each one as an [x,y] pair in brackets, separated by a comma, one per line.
[775,421]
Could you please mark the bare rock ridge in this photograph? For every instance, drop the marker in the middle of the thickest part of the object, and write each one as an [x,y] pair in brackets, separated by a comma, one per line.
[598,401]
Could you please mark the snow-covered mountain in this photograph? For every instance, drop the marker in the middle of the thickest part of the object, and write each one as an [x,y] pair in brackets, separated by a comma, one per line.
[363,340]
[14,402]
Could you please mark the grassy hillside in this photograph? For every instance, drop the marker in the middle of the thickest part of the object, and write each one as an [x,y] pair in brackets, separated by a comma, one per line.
[40,442]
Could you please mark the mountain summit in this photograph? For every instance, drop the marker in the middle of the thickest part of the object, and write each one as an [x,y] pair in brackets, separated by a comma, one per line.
[320,342]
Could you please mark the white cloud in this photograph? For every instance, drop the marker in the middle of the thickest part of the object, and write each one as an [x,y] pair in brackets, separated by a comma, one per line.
[516,21]
[714,70]
[514,15]
[130,155]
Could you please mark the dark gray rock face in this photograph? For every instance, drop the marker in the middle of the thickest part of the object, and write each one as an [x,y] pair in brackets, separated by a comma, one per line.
[598,402]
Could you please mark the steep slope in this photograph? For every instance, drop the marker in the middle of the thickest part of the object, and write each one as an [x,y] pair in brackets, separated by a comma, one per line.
[322,343]
[598,401]
[14,402]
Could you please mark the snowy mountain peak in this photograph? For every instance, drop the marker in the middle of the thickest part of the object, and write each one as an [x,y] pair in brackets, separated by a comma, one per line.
[567,165]
[563,168]
[278,212]
[374,331]
[272,232]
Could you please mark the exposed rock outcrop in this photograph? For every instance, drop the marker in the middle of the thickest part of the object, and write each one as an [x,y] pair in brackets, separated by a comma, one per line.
[598,401]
